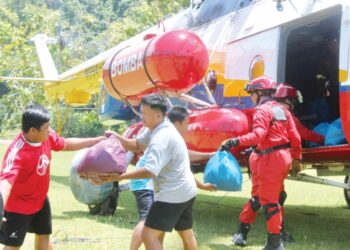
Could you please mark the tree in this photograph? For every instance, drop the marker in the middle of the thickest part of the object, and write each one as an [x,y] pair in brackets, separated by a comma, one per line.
[18,58]
[84,28]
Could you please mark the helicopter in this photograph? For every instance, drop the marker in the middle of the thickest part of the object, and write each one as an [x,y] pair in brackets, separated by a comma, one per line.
[232,42]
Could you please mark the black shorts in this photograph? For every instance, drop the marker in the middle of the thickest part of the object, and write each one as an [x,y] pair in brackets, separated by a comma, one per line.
[14,230]
[165,216]
[144,200]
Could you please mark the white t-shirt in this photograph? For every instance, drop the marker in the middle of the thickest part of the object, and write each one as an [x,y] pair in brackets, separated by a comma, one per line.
[168,160]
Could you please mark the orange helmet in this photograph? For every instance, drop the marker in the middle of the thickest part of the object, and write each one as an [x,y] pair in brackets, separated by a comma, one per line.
[286,91]
[264,84]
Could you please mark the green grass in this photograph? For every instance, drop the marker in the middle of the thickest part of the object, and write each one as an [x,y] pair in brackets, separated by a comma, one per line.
[316,215]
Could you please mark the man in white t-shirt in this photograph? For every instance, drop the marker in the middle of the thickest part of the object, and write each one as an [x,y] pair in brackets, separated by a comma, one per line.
[168,163]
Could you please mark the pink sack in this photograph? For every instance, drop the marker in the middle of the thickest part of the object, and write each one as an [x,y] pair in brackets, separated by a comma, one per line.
[107,156]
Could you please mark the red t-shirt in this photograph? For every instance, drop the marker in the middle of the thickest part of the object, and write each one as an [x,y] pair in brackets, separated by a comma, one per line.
[26,166]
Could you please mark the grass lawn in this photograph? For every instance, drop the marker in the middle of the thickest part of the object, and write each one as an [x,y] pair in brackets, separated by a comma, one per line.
[316,215]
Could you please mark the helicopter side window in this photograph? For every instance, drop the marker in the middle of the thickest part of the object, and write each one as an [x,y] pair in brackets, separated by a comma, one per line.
[204,11]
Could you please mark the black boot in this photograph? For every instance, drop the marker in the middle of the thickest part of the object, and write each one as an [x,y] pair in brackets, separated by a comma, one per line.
[240,238]
[286,237]
[274,242]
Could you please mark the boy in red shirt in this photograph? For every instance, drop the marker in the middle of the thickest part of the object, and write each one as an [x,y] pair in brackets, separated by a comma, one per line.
[25,178]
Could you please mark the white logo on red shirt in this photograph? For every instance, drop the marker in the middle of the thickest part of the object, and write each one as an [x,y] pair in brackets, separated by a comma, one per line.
[43,164]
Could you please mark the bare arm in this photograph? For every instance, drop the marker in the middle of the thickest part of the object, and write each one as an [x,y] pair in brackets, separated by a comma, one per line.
[204,186]
[6,188]
[128,144]
[199,156]
[80,143]
[139,173]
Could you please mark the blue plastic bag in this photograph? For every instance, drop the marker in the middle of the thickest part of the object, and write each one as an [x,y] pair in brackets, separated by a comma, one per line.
[224,171]
[320,129]
[335,134]
[83,190]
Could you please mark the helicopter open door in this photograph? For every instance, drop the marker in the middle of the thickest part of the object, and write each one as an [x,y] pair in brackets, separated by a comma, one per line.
[307,44]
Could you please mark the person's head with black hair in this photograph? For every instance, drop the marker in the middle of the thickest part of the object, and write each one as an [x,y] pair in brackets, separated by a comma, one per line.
[153,110]
[35,123]
[178,115]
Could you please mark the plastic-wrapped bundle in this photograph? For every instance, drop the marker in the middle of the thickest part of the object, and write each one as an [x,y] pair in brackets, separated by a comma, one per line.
[83,190]
[335,134]
[107,156]
[320,129]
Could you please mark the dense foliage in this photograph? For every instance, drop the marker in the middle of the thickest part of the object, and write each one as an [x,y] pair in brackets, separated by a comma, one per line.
[83,29]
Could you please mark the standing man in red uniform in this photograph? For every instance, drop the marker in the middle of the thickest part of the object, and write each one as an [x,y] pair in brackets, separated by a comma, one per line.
[288,96]
[25,178]
[273,134]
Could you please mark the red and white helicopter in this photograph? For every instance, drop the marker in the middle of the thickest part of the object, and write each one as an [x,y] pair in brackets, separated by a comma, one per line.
[238,40]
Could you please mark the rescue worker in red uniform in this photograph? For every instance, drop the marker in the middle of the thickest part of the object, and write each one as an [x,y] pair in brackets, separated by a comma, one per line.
[277,148]
[288,96]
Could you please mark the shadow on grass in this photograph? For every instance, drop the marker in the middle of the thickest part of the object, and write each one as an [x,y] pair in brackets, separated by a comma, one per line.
[220,247]
[64,180]
[216,218]
[312,227]
[125,216]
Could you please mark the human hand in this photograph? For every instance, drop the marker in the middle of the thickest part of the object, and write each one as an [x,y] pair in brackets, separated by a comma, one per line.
[92,178]
[109,177]
[209,187]
[108,133]
[102,137]
[84,176]
[228,144]
[296,167]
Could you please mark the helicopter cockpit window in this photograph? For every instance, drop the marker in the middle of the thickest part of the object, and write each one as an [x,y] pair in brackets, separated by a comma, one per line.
[204,11]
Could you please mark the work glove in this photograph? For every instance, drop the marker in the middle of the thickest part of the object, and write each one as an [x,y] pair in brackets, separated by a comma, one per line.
[228,144]
[296,167]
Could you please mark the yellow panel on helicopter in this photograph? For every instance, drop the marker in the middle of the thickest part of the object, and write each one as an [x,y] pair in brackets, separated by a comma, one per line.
[77,98]
[343,75]
[233,88]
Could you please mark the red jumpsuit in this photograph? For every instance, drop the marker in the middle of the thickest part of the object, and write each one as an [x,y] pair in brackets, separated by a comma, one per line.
[307,134]
[273,126]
